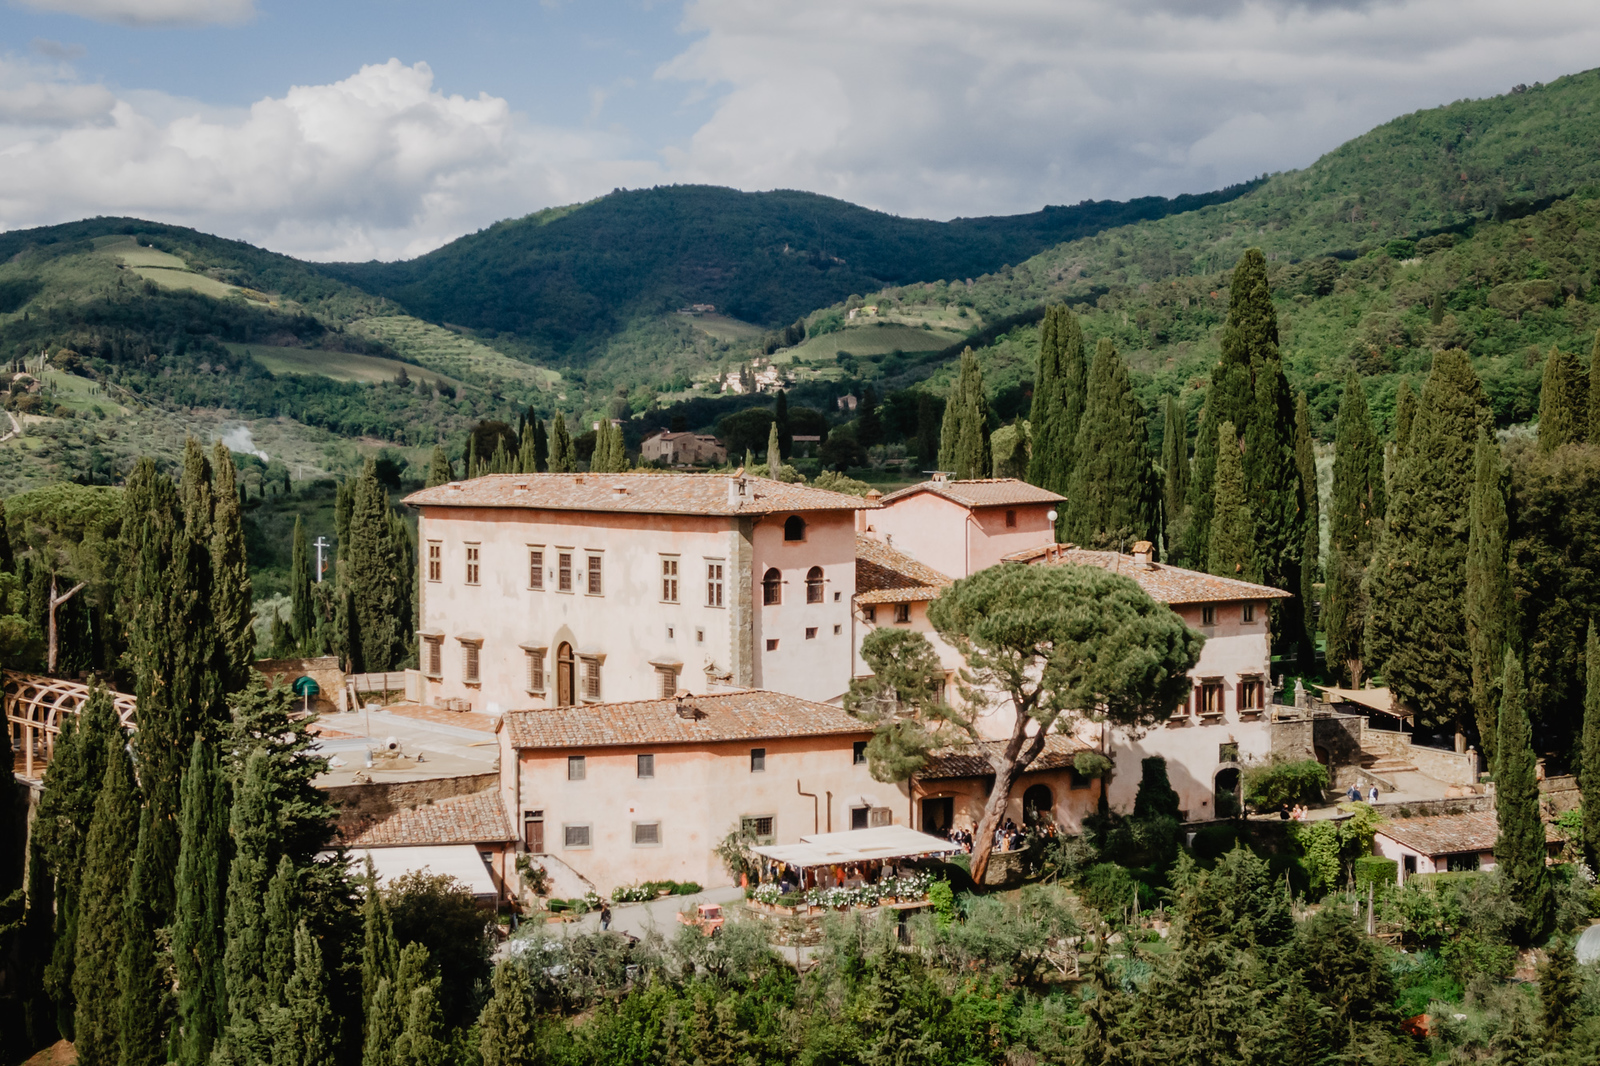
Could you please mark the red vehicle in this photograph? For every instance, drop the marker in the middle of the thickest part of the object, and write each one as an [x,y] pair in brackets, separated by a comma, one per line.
[707,917]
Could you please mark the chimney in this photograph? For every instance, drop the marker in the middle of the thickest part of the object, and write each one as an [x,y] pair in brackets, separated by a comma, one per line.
[939,477]
[686,710]
[619,490]
[738,488]
[1141,555]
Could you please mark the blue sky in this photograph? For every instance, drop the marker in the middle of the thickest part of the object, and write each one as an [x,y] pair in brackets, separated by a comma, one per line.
[357,129]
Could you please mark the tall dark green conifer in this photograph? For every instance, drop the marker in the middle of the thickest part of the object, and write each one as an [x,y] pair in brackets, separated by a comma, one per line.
[303,1031]
[1232,551]
[1305,459]
[780,418]
[1355,514]
[97,1022]
[1519,852]
[380,585]
[380,953]
[1589,765]
[231,609]
[928,415]
[1593,423]
[950,429]
[344,498]
[972,456]
[1488,587]
[439,472]
[774,452]
[251,826]
[1110,491]
[1563,401]
[869,426]
[1405,413]
[141,982]
[1059,390]
[563,459]
[197,947]
[506,1025]
[302,612]
[1416,631]
[1175,473]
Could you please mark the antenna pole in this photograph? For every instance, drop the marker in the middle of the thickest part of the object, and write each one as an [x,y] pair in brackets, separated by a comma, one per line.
[319,544]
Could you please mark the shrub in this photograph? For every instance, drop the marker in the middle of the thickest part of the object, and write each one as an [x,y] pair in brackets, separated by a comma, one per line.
[1270,785]
[1371,869]
[1091,764]
[1109,889]
[942,899]
[1212,842]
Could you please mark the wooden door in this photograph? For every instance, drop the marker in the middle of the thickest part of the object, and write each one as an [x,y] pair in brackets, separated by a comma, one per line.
[566,676]
[533,834]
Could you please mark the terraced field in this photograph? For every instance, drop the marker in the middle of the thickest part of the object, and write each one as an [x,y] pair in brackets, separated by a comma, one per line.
[875,339]
[449,353]
[172,272]
[340,366]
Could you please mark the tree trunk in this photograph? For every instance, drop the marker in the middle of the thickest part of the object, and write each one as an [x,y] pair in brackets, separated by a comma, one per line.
[57,601]
[1011,762]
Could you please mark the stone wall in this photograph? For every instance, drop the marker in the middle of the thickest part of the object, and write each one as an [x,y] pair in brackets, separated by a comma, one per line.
[324,670]
[363,805]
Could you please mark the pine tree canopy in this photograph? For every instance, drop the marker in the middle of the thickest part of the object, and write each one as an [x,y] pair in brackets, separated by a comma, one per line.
[1059,390]
[1110,493]
[1563,401]
[1519,852]
[1488,587]
[1416,634]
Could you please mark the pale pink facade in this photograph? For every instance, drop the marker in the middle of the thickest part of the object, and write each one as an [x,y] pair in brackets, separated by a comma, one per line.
[545,590]
[961,527]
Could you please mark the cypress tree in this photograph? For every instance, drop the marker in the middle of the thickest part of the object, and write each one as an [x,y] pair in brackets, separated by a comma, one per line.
[380,953]
[143,1029]
[380,588]
[541,446]
[928,416]
[1589,765]
[1519,852]
[1560,991]
[563,460]
[1416,634]
[1305,458]
[1175,472]
[1232,551]
[280,907]
[1405,413]
[1110,484]
[780,418]
[950,428]
[439,472]
[869,427]
[304,1029]
[774,452]
[416,1010]
[973,458]
[197,947]
[1488,587]
[527,455]
[344,498]
[230,587]
[103,908]
[251,827]
[749,460]
[1593,435]
[1060,389]
[302,613]
[1355,512]
[1563,401]
[506,1025]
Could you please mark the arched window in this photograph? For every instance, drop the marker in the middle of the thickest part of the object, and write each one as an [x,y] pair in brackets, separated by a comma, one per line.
[772,588]
[814,585]
[1038,805]
[794,528]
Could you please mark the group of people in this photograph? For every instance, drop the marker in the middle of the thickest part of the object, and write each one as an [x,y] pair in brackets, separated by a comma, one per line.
[1008,835]
[1299,813]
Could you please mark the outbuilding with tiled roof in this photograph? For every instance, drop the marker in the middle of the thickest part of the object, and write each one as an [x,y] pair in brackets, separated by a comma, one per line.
[1443,843]
[961,527]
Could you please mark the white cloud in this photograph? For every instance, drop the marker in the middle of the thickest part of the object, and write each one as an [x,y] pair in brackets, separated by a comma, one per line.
[150,12]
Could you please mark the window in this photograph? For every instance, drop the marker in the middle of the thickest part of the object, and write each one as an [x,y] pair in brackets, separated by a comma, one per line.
[1211,697]
[1208,616]
[837,630]
[858,753]
[772,643]
[1075,780]
[669,579]
[759,826]
[794,528]
[469,662]
[647,767]
[435,656]
[1247,614]
[667,681]
[1011,520]
[591,679]
[646,834]
[938,690]
[564,571]
[1460,864]
[837,596]
[1228,752]
[870,612]
[859,817]
[435,560]
[535,671]
[758,760]
[575,836]
[472,564]
[596,588]
[771,588]
[699,636]
[577,767]
[811,632]
[536,568]
[669,632]
[713,584]
[902,613]
[1410,864]
[814,585]
[1251,693]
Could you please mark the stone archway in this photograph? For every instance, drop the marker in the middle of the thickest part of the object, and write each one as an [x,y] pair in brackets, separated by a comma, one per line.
[1225,793]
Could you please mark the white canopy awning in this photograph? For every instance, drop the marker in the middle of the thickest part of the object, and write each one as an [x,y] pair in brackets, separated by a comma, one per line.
[460,861]
[1375,699]
[857,845]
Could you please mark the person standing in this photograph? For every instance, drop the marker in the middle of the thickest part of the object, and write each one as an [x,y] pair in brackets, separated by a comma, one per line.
[1372,797]
[605,916]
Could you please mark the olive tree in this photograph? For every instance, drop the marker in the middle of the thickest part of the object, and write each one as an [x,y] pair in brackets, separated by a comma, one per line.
[1046,647]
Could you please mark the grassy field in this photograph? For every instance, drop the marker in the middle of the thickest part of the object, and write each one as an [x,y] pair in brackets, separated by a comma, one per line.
[170,271]
[876,339]
[446,352]
[723,328]
[340,366]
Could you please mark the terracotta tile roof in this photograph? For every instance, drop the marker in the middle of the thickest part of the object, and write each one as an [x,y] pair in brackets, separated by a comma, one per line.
[886,575]
[636,492]
[476,819]
[981,492]
[748,714]
[971,761]
[1453,834]
[1168,584]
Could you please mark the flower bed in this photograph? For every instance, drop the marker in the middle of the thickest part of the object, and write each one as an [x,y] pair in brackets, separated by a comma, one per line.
[898,889]
[649,890]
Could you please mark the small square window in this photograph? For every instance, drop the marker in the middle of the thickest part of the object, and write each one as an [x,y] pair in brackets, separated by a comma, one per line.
[699,636]
[760,827]
[1208,616]
[670,631]
[837,596]
[772,644]
[596,588]
[1011,520]
[902,613]
[858,752]
[758,760]
[577,767]
[647,766]
[870,613]
[1247,614]
[811,632]
[646,834]
[837,630]
[575,836]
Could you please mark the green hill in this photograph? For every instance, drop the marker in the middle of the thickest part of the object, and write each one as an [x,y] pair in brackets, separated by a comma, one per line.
[566,282]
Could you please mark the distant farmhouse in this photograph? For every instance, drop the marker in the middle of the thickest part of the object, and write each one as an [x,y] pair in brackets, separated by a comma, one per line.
[683,449]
